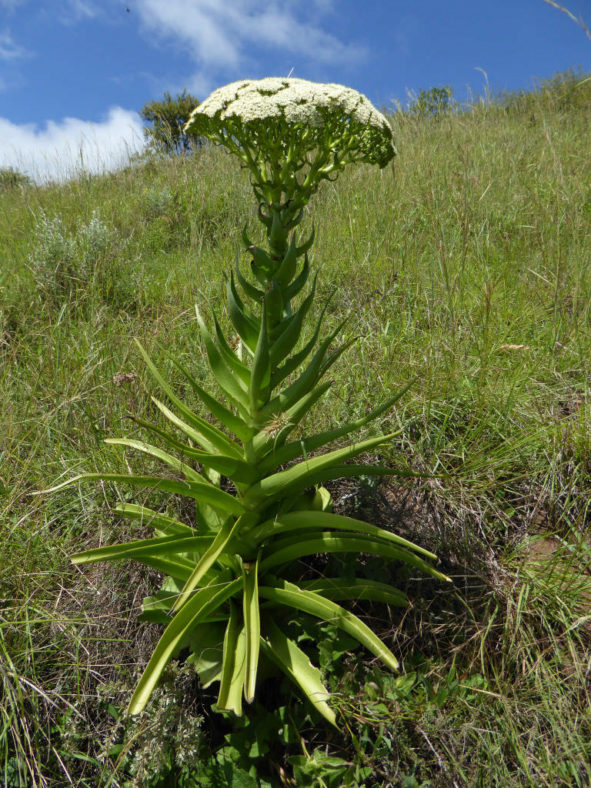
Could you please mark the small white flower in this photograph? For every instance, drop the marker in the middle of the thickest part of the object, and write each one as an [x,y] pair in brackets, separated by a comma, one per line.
[307,116]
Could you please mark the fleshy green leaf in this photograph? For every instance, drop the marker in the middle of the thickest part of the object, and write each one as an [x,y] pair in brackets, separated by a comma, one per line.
[287,268]
[284,593]
[275,310]
[155,608]
[169,525]
[337,589]
[202,603]
[251,291]
[306,473]
[252,626]
[242,319]
[299,282]
[233,664]
[230,420]
[226,379]
[291,549]
[200,491]
[289,657]
[232,467]
[231,358]
[228,465]
[159,546]
[261,368]
[302,521]
[288,339]
[301,386]
[210,556]
[267,440]
[206,644]
[173,462]
[298,358]
[309,444]
[173,565]
[208,436]
[166,437]
[307,245]
[224,444]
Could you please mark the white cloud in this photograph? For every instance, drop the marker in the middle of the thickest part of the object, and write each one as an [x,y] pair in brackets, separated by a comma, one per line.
[62,150]
[83,9]
[74,11]
[9,49]
[218,34]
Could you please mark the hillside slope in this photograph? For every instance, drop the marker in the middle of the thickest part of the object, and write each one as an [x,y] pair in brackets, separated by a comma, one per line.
[467,267]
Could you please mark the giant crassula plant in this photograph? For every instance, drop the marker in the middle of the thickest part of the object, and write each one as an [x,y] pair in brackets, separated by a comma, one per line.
[227,586]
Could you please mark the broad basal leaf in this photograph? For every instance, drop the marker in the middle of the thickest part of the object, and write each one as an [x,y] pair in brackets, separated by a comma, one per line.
[201,491]
[289,657]
[304,521]
[233,664]
[284,593]
[202,603]
[252,625]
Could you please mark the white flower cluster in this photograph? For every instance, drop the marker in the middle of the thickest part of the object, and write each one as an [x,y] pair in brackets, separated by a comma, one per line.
[278,102]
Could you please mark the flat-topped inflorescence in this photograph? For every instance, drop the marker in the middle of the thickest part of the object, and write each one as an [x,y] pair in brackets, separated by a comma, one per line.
[292,133]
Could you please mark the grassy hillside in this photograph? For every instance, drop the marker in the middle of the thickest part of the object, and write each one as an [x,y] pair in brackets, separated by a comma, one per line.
[466,267]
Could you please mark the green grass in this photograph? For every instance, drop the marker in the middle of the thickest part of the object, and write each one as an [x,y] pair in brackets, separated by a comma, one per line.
[465,266]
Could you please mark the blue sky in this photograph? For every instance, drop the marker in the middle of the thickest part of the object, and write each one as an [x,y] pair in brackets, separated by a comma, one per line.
[74,73]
